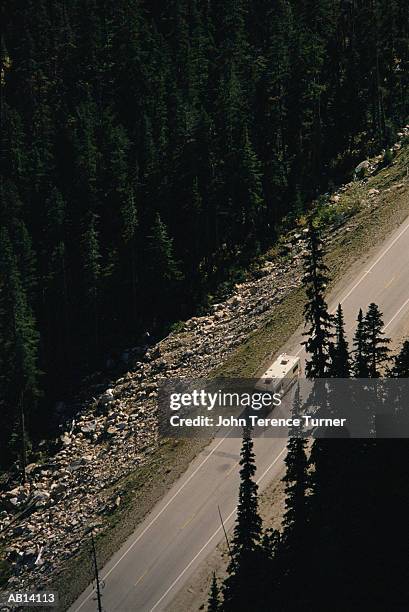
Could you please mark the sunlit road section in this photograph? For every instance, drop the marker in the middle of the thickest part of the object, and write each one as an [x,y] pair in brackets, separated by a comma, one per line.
[184,527]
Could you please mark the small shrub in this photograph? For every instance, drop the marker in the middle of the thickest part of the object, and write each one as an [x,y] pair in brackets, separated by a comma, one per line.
[387,158]
[177,327]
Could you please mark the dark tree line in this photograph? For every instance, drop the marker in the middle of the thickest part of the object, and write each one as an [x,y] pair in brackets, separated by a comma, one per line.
[149,148]
[344,537]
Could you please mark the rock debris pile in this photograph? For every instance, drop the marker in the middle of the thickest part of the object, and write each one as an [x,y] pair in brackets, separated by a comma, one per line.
[47,517]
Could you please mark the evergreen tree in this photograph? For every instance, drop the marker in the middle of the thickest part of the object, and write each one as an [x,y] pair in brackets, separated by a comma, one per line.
[129,237]
[26,257]
[339,355]
[377,346]
[54,247]
[54,280]
[213,604]
[400,368]
[162,275]
[248,198]
[360,365]
[296,477]
[241,586]
[316,314]
[13,152]
[161,252]
[19,371]
[92,274]
[296,517]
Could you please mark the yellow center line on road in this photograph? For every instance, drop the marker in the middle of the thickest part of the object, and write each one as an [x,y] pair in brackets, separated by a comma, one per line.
[189,520]
[232,468]
[141,577]
[196,513]
[390,282]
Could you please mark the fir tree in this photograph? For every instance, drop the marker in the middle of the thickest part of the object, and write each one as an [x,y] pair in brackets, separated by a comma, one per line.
[249,193]
[213,604]
[296,477]
[316,314]
[295,520]
[339,354]
[54,273]
[377,346]
[240,587]
[19,357]
[400,368]
[360,365]
[93,274]
[162,275]
[247,532]
[129,237]
[161,253]
[13,152]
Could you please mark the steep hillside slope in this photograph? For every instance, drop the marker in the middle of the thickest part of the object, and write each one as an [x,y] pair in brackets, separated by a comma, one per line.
[109,454]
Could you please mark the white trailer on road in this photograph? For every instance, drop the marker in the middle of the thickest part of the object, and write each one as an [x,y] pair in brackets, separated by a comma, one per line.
[281,375]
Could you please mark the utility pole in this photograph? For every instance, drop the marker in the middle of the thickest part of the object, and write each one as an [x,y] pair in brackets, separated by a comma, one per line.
[98,585]
[225,535]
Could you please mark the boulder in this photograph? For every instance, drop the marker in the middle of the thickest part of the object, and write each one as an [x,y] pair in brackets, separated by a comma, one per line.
[362,168]
[88,428]
[107,397]
[16,492]
[373,192]
[65,439]
[30,468]
[40,497]
[75,465]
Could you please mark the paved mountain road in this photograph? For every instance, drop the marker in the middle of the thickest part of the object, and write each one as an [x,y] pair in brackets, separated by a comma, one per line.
[166,549]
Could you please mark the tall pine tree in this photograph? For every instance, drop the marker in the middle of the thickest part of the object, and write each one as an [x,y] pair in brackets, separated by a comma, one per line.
[296,516]
[360,365]
[213,603]
[339,354]
[400,366]
[377,347]
[241,589]
[317,318]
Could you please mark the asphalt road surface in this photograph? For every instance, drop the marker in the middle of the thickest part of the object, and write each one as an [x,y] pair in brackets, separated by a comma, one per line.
[184,527]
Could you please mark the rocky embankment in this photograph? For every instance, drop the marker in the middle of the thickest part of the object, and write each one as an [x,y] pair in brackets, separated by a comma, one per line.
[43,522]
[48,516]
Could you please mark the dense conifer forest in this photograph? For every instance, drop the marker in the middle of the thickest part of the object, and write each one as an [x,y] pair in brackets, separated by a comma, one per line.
[150,148]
